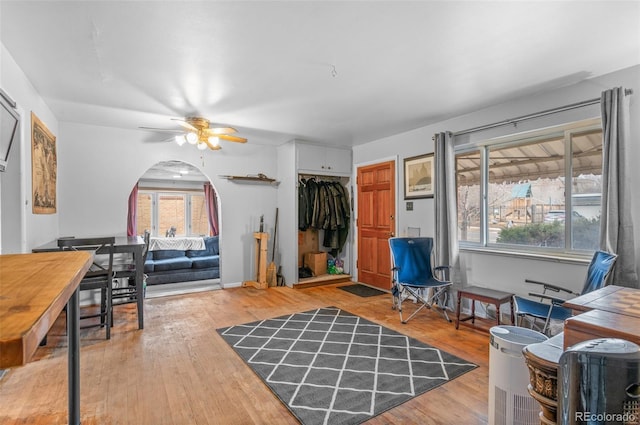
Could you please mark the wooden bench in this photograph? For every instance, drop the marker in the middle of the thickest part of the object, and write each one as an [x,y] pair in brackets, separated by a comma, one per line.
[486,295]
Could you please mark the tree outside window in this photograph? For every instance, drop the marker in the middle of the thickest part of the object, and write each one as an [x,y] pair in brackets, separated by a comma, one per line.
[539,193]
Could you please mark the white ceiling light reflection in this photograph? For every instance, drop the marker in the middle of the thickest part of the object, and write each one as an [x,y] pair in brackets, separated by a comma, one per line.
[180,139]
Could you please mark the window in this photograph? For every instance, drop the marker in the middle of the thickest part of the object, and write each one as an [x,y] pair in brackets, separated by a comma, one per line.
[535,192]
[160,211]
[467,178]
[144,215]
[199,219]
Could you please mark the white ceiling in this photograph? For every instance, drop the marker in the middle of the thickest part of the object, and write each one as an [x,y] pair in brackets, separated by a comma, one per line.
[169,170]
[335,72]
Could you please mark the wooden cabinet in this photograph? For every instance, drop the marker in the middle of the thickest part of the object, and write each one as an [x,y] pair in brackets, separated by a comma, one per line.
[316,159]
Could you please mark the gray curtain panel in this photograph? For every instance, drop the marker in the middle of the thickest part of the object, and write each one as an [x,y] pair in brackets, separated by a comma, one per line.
[446,238]
[616,220]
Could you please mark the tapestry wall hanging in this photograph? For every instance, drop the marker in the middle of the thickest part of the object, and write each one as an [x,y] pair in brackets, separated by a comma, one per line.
[44,163]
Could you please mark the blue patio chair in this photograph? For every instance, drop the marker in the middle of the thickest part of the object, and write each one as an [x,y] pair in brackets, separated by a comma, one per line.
[414,278]
[550,307]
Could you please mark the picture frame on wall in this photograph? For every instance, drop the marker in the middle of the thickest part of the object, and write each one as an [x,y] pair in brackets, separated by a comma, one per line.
[419,176]
[44,168]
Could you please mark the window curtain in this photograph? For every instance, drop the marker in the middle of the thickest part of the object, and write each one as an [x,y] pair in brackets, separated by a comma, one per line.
[616,220]
[446,238]
[132,215]
[212,208]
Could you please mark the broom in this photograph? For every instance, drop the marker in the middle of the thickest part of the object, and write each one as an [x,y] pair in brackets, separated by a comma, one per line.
[271,269]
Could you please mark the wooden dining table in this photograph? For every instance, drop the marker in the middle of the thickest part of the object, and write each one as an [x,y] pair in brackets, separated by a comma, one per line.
[34,288]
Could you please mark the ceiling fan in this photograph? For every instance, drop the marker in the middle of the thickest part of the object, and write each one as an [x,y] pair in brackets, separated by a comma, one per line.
[200,132]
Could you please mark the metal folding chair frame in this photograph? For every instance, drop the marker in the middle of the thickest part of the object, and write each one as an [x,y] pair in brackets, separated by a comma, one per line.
[550,307]
[437,298]
[423,283]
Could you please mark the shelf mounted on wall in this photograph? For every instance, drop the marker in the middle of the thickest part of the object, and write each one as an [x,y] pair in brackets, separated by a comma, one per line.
[258,178]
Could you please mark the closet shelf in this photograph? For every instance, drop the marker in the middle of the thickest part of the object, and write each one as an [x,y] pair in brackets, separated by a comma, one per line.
[259,178]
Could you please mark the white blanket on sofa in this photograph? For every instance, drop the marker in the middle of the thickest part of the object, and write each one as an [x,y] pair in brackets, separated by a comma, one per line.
[181,243]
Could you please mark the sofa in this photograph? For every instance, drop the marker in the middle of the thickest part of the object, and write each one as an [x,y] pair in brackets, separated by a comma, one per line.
[173,265]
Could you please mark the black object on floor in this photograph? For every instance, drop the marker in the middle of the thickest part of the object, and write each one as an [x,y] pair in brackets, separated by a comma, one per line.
[362,290]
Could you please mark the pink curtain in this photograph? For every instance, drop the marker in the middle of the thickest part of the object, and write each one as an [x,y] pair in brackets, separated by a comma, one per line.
[132,222]
[212,208]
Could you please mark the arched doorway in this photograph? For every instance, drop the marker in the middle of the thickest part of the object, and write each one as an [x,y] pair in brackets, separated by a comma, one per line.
[177,203]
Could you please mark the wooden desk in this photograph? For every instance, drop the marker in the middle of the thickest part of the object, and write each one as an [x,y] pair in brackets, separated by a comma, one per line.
[34,289]
[600,324]
[123,244]
[612,298]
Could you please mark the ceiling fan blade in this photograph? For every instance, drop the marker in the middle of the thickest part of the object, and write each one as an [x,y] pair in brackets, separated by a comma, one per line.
[171,130]
[232,138]
[170,139]
[214,131]
[185,124]
[212,146]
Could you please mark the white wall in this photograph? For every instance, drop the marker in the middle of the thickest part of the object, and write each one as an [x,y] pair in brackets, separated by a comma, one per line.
[495,270]
[98,167]
[33,229]
[288,214]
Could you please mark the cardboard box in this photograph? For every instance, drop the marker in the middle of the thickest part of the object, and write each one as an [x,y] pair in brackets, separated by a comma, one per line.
[317,262]
[307,242]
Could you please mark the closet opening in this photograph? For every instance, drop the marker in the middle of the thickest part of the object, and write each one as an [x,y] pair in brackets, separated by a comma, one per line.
[324,229]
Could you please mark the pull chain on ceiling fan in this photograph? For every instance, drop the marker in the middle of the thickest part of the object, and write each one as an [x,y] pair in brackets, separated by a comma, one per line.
[201,133]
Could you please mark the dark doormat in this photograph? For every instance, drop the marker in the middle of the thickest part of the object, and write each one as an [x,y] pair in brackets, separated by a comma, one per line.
[362,290]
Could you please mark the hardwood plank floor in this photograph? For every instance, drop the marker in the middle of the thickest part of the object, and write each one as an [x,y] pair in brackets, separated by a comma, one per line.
[179,371]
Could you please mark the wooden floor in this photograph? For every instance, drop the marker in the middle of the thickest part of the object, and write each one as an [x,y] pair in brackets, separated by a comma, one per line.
[179,371]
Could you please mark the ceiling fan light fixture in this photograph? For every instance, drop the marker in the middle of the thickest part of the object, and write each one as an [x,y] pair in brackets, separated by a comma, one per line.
[214,141]
[180,139]
[201,133]
[192,138]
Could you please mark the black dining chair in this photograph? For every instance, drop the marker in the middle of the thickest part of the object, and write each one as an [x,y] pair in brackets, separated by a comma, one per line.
[124,289]
[98,277]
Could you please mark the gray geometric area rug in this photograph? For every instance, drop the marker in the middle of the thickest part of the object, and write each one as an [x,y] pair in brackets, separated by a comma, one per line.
[329,366]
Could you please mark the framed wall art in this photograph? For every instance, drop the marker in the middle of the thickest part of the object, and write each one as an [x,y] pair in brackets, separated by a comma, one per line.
[418,177]
[44,171]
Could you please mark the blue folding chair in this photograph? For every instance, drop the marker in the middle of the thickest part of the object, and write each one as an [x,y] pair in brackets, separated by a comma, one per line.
[550,307]
[414,277]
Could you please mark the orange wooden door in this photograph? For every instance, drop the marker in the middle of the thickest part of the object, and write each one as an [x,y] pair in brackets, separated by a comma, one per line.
[376,222]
